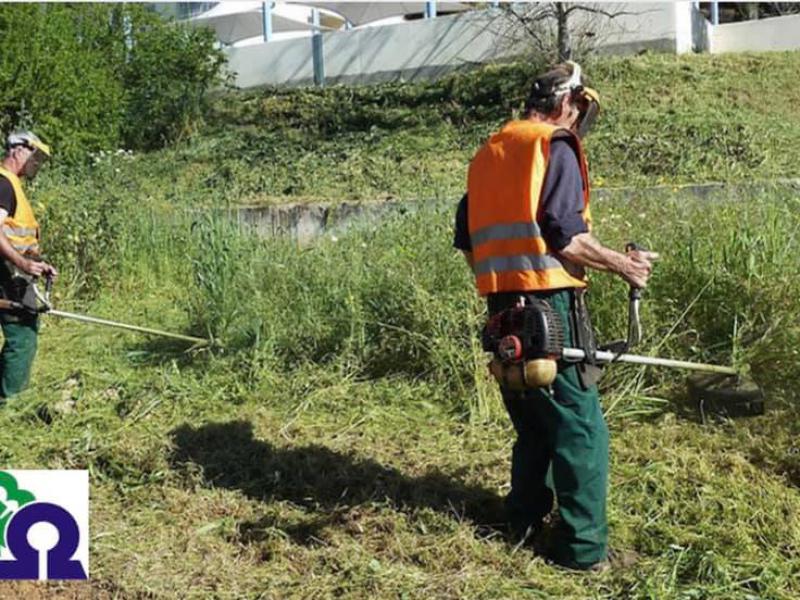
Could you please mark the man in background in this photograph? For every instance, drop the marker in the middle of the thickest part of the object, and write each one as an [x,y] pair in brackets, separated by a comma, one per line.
[20,258]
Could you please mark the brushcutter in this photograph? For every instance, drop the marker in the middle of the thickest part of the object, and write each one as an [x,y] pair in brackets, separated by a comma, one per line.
[527,345]
[35,302]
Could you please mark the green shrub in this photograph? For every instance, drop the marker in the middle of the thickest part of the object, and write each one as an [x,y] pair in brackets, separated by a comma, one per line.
[57,74]
[101,76]
[167,73]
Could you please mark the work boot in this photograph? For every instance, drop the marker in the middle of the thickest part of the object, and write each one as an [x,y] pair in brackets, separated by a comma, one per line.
[540,537]
[616,560]
[526,538]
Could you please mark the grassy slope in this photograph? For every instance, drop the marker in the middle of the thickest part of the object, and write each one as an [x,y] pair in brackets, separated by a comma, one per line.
[666,119]
[376,468]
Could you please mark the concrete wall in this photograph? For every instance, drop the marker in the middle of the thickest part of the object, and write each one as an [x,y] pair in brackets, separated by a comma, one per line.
[776,33]
[306,222]
[430,48]
[284,62]
[415,50]
[660,26]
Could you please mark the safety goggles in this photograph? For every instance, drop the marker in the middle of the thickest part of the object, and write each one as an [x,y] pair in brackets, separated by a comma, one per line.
[585,98]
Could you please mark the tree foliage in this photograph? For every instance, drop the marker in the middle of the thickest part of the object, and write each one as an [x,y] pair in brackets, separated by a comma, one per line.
[93,76]
[558,31]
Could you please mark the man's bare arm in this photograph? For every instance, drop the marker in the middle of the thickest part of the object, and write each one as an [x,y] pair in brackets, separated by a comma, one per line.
[9,253]
[634,267]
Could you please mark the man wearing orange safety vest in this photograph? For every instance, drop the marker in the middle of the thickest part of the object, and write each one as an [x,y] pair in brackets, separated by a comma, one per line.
[524,227]
[21,259]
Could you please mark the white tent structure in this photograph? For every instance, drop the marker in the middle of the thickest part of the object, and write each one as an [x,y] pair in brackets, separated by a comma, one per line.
[362,13]
[240,24]
[233,22]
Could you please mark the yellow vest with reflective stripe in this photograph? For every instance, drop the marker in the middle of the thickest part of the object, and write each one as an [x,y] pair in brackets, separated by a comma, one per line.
[504,188]
[21,228]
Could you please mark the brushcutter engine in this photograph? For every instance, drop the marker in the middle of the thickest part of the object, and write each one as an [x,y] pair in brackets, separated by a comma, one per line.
[23,295]
[526,342]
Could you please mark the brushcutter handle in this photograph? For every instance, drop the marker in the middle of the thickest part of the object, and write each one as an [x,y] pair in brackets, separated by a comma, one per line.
[634,297]
[10,305]
[631,246]
[634,293]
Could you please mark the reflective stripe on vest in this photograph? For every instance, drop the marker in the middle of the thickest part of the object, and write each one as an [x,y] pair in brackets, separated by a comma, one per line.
[20,231]
[523,262]
[505,231]
[505,183]
[21,228]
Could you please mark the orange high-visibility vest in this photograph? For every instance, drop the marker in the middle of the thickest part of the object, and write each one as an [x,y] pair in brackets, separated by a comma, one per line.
[504,188]
[21,228]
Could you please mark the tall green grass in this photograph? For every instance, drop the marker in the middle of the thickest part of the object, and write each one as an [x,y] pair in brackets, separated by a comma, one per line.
[396,300]
[664,119]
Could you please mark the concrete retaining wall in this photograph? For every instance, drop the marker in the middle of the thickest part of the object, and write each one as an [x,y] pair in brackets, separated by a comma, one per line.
[304,222]
[776,33]
[430,48]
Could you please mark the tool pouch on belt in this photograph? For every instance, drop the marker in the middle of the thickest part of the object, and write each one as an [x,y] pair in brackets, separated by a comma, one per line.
[589,372]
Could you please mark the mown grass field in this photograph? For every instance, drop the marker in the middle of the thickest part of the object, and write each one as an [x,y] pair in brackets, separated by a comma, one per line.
[344,439]
[347,442]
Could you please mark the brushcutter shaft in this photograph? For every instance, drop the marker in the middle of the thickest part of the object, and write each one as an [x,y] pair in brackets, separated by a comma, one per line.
[107,323]
[603,356]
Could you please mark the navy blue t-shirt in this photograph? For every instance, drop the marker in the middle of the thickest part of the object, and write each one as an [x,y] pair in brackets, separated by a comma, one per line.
[8,201]
[562,197]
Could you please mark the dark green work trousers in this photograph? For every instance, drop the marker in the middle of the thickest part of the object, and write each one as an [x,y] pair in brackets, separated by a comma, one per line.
[19,349]
[560,429]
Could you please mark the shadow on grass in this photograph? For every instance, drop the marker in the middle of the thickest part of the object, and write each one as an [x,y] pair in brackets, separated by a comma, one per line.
[323,480]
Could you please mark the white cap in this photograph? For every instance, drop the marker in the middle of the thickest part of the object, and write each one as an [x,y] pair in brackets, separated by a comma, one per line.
[26,138]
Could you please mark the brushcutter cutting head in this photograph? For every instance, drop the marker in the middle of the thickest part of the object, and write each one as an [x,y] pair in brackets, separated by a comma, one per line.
[716,395]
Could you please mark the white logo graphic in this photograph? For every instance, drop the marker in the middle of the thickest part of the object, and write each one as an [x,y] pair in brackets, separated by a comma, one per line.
[44,524]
